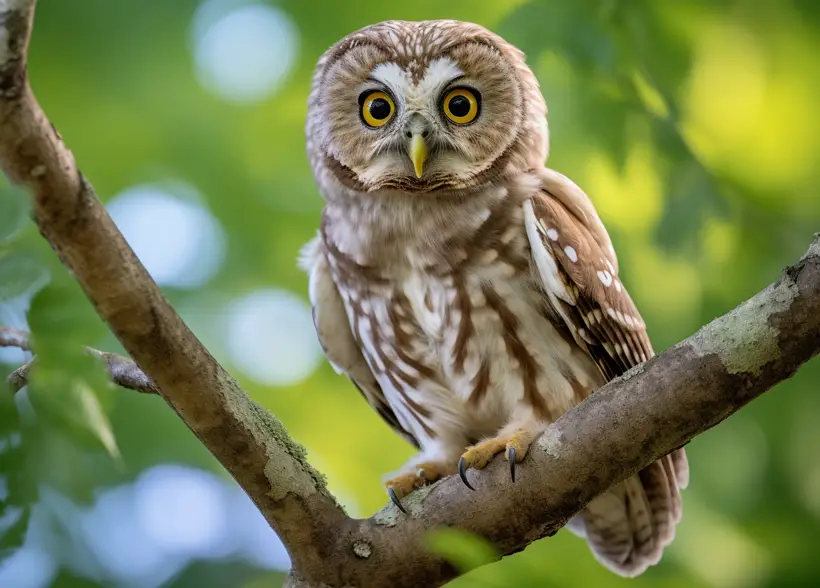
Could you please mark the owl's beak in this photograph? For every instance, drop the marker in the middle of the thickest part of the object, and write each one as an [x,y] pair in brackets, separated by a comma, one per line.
[418,153]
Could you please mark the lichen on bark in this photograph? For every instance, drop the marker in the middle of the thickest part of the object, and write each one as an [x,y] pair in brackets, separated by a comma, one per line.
[744,339]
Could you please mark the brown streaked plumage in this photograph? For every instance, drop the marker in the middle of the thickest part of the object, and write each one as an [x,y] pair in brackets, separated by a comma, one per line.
[470,294]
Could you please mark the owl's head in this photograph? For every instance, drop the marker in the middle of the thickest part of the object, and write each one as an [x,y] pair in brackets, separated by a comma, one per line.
[424,106]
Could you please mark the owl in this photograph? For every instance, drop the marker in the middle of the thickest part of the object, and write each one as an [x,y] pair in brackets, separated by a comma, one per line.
[470,293]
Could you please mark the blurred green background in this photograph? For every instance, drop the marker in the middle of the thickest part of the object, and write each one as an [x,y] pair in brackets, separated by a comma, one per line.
[693,125]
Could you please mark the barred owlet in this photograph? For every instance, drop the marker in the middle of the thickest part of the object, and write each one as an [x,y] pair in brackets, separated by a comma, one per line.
[470,293]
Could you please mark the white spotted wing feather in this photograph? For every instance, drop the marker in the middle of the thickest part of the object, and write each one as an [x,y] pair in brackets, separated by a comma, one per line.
[628,526]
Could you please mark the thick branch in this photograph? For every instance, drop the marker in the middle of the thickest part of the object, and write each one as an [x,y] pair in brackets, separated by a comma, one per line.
[620,429]
[245,438]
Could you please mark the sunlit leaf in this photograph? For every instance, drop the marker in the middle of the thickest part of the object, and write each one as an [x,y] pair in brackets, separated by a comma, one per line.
[92,416]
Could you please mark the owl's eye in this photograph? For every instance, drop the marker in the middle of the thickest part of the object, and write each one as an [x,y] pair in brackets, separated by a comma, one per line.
[461,105]
[377,108]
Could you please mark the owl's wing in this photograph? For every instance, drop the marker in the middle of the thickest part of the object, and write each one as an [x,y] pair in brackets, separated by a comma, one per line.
[626,527]
[579,271]
[336,337]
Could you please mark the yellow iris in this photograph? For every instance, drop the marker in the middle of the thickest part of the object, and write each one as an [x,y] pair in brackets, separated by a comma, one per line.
[461,106]
[377,109]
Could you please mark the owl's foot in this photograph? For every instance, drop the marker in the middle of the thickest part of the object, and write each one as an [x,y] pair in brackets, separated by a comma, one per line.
[515,446]
[404,484]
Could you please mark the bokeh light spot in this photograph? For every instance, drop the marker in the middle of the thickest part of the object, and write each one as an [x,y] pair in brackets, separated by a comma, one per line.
[271,337]
[121,544]
[720,239]
[243,50]
[718,551]
[631,201]
[740,442]
[668,288]
[182,510]
[28,567]
[746,107]
[15,301]
[257,543]
[177,239]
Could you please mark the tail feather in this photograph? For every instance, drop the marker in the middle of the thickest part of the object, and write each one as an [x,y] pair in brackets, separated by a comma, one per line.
[681,466]
[628,527]
[674,487]
[657,485]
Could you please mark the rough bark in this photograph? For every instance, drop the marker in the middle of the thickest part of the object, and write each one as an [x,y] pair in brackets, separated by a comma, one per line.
[646,413]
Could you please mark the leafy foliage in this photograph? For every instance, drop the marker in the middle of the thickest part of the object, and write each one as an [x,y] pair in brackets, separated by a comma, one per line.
[16,488]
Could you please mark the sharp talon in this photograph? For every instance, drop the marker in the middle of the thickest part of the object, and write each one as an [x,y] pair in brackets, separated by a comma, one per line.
[511,459]
[395,499]
[462,472]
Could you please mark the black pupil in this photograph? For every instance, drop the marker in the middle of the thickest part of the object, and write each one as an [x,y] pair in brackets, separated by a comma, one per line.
[459,106]
[379,109]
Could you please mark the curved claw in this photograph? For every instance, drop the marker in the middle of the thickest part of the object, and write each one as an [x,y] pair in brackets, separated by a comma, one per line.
[395,499]
[511,458]
[462,472]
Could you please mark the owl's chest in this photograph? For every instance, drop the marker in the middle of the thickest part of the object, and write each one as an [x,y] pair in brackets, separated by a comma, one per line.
[462,351]
[440,329]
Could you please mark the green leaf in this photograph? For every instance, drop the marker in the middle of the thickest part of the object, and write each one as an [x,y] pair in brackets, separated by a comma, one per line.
[67,398]
[464,550]
[17,488]
[577,31]
[91,415]
[692,193]
[63,321]
[67,386]
[661,54]
[13,207]
[20,273]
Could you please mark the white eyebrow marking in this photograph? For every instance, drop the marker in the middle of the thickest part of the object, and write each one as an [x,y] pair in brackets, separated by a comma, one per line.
[439,72]
[392,76]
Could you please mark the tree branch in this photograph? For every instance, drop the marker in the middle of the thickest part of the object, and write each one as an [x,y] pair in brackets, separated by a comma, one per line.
[11,337]
[252,444]
[122,370]
[621,428]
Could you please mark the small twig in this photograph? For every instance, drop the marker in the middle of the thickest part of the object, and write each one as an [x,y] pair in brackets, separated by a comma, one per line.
[123,371]
[18,379]
[11,337]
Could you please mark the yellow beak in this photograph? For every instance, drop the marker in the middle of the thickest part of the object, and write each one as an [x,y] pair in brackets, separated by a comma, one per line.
[418,153]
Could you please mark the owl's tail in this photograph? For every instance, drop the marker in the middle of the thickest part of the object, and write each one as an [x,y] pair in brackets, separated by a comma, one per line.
[628,527]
